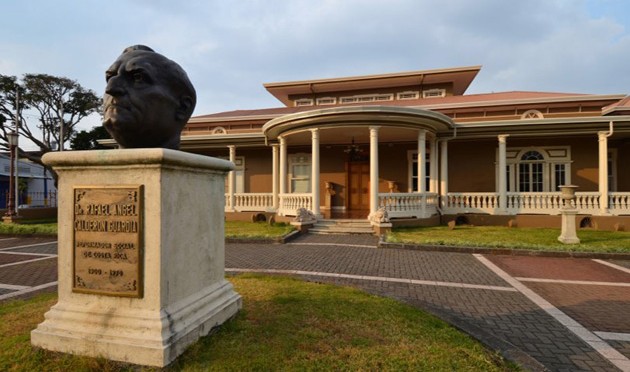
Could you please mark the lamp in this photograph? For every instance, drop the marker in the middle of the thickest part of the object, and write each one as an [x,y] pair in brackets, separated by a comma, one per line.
[353,151]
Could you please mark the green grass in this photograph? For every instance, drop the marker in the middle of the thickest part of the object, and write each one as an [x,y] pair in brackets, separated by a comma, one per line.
[505,237]
[287,325]
[243,229]
[233,229]
[30,227]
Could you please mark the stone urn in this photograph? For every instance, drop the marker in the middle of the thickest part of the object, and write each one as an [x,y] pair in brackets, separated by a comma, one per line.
[568,195]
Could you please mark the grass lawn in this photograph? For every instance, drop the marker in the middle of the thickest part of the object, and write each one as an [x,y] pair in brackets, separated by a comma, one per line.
[47,227]
[233,229]
[286,324]
[505,237]
[245,229]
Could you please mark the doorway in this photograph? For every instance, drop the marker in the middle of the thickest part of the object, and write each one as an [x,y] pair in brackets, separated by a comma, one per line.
[358,174]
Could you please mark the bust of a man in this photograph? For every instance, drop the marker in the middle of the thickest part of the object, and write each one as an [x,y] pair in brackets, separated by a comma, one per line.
[148,99]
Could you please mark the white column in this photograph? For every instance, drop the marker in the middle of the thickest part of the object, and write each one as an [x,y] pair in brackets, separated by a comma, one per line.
[283,169]
[373,169]
[232,178]
[603,172]
[443,172]
[315,170]
[422,159]
[274,176]
[502,174]
[434,166]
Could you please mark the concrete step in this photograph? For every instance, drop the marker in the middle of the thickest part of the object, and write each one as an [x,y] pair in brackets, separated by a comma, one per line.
[342,227]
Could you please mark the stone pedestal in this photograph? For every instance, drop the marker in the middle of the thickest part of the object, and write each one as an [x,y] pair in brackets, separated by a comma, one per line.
[568,234]
[182,292]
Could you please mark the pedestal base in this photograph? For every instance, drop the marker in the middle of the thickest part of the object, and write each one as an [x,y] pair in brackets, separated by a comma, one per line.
[181,268]
[138,336]
[568,234]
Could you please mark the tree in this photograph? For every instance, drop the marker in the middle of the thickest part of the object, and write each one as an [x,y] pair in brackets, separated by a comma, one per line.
[56,100]
[88,140]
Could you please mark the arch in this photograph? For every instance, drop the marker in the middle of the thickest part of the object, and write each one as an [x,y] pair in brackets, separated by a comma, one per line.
[532,114]
[219,130]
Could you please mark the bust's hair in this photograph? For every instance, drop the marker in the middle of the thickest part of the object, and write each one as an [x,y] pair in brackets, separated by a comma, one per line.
[174,73]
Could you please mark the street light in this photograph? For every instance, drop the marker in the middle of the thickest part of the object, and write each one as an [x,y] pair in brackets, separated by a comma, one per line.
[12,138]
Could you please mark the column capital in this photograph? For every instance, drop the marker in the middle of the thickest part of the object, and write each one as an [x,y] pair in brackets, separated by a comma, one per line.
[283,140]
[603,135]
[374,128]
[502,137]
[231,147]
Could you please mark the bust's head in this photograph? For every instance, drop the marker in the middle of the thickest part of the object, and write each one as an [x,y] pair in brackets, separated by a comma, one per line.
[148,99]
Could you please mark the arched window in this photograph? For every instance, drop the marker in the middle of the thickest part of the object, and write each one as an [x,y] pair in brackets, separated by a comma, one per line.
[530,172]
[539,169]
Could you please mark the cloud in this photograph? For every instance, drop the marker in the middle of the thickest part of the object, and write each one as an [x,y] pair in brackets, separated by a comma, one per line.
[230,49]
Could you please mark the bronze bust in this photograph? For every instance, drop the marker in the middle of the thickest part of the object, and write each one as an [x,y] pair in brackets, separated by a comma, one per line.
[148,99]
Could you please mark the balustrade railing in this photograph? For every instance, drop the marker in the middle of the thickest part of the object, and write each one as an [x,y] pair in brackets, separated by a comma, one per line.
[533,203]
[250,202]
[290,203]
[418,205]
[619,202]
[471,202]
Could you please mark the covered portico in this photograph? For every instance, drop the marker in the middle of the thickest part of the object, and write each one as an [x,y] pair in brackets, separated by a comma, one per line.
[373,125]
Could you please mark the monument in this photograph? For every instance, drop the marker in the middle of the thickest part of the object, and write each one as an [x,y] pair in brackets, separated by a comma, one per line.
[141,229]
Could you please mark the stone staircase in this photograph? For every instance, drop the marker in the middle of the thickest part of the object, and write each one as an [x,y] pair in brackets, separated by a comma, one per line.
[342,227]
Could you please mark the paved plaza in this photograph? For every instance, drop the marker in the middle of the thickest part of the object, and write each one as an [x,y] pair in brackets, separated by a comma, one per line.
[559,314]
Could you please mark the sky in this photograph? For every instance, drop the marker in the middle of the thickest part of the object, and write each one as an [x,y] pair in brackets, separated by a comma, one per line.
[230,48]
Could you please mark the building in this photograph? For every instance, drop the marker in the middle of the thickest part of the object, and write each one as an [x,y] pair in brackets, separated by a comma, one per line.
[414,144]
[36,185]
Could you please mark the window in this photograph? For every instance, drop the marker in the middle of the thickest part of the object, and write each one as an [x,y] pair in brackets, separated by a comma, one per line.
[367,98]
[326,101]
[300,173]
[612,170]
[408,95]
[434,93]
[413,171]
[537,169]
[530,172]
[532,114]
[303,102]
[239,175]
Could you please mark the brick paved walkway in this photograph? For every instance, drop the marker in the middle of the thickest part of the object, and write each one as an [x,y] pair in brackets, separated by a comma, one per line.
[462,290]
[510,303]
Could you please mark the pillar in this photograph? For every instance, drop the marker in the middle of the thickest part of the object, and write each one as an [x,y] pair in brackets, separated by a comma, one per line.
[374,169]
[443,172]
[283,169]
[274,176]
[315,170]
[603,172]
[502,174]
[232,179]
[422,159]
[434,166]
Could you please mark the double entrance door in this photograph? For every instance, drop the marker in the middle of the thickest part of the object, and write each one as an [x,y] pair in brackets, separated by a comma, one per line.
[358,186]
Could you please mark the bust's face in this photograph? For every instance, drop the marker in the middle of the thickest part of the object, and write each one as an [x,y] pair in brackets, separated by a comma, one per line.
[140,105]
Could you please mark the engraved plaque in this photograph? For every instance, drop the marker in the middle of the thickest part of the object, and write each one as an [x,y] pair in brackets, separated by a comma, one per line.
[108,240]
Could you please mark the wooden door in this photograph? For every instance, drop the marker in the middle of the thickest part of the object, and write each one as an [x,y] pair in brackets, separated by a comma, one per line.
[358,186]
